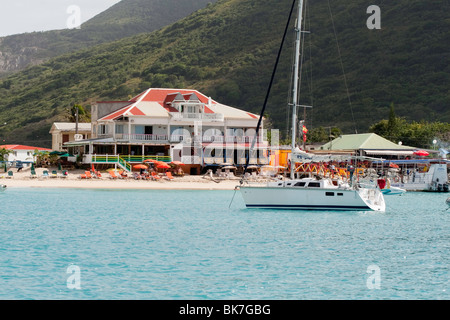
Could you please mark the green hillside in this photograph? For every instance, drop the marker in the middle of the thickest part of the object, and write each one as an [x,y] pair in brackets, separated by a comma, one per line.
[227,51]
[124,19]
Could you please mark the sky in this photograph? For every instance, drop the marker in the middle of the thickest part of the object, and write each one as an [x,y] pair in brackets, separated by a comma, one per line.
[20,16]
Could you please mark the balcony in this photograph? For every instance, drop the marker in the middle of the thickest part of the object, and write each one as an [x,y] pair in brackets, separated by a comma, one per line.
[185,116]
[142,137]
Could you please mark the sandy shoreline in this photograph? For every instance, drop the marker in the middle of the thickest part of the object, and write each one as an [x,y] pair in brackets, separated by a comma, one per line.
[24,180]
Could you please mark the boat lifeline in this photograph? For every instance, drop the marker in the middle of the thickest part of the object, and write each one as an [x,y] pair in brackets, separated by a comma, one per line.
[313,193]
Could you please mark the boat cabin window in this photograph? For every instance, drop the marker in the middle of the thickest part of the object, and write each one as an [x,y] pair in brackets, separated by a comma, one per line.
[329,194]
[314,184]
[340,194]
[300,184]
[280,184]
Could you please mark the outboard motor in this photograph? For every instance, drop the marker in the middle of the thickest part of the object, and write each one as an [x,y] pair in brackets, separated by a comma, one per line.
[445,187]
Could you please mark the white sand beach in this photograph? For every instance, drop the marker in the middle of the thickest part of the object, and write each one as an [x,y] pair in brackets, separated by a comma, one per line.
[23,179]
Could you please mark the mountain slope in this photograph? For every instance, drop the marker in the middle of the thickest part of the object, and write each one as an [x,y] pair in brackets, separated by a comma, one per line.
[124,19]
[227,51]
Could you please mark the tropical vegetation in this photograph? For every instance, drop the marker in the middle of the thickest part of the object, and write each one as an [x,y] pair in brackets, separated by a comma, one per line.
[227,51]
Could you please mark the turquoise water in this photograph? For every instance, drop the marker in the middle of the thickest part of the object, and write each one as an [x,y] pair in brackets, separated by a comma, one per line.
[150,244]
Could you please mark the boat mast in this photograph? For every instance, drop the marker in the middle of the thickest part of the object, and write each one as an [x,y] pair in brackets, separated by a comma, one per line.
[296,79]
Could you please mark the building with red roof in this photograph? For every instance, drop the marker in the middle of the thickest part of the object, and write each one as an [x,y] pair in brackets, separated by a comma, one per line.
[179,124]
[22,154]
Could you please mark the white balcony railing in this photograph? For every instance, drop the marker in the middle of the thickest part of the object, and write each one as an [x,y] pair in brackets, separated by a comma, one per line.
[182,116]
[141,137]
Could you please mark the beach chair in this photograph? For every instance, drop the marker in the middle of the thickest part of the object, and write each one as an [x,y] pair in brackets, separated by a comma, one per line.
[54,174]
[64,174]
[86,175]
[10,175]
[33,174]
[168,176]
[155,176]
[112,174]
[45,174]
[136,176]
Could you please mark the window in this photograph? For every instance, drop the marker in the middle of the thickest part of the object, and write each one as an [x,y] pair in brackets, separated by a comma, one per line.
[329,194]
[102,129]
[314,184]
[300,184]
[119,128]
[340,194]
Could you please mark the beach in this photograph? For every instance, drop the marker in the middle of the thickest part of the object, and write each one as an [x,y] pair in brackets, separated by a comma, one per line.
[23,179]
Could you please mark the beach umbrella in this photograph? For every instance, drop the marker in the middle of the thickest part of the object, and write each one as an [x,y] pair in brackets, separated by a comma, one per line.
[140,166]
[421,153]
[229,167]
[151,160]
[177,163]
[163,166]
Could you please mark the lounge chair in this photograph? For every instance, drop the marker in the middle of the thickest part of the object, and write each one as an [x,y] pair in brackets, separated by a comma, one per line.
[54,174]
[168,176]
[112,174]
[64,174]
[33,173]
[45,174]
[86,175]
[10,175]
[136,176]
[155,176]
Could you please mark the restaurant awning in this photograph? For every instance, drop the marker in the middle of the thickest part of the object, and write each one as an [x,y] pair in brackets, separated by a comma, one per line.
[390,152]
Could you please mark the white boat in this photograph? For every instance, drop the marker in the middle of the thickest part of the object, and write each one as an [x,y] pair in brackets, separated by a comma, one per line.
[393,191]
[431,177]
[310,193]
[388,189]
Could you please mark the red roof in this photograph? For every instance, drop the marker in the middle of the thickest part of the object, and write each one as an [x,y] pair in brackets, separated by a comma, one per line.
[159,95]
[21,147]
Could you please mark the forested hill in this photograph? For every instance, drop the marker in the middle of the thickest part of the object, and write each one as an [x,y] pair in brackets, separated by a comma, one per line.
[125,18]
[228,50]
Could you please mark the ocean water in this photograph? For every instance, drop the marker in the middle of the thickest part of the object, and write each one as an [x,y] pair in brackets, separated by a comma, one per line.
[149,244]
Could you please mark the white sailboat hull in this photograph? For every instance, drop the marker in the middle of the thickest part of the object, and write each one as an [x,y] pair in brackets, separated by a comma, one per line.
[312,199]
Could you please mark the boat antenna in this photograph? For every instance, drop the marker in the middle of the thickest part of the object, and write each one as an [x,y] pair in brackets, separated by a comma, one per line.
[268,91]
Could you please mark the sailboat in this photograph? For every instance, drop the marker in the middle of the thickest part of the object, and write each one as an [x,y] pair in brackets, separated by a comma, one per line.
[311,193]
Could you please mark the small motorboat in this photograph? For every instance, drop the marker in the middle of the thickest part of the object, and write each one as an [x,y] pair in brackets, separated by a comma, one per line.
[387,189]
[393,190]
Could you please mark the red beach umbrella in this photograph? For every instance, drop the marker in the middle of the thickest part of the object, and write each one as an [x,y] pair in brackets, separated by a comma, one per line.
[163,166]
[140,166]
[421,153]
[151,160]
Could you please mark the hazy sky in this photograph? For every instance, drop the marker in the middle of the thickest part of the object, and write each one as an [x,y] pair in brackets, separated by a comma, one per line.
[19,16]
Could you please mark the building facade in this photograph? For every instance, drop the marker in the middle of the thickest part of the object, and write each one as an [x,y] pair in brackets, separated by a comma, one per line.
[172,125]
[22,156]
[63,132]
